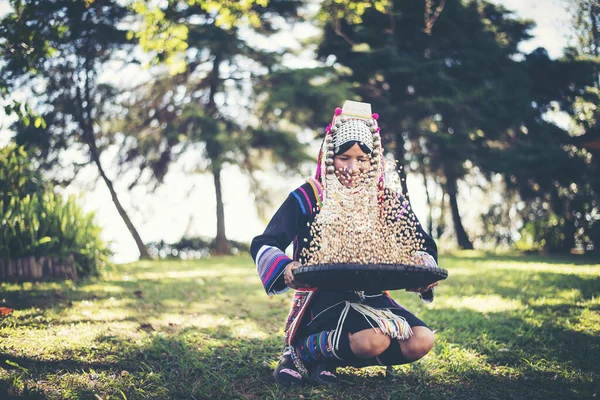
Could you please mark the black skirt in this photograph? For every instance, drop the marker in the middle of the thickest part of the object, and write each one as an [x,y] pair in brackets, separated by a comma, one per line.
[326,307]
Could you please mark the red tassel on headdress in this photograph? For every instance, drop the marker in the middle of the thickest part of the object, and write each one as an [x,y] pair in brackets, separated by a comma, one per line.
[318,173]
[320,157]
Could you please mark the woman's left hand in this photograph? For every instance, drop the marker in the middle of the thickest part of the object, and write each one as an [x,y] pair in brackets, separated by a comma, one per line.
[423,289]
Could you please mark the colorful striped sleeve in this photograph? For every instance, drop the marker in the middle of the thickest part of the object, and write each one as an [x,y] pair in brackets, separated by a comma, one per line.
[270,264]
[268,249]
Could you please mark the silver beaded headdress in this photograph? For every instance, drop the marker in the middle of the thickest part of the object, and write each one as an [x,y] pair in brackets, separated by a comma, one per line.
[353,130]
[354,121]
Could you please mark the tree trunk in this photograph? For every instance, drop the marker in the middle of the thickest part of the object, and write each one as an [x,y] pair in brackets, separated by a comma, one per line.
[461,236]
[222,245]
[399,154]
[564,236]
[568,242]
[90,139]
[144,255]
[441,223]
[595,238]
[214,150]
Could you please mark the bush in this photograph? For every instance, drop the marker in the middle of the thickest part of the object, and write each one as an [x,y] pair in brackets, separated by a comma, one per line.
[191,248]
[37,222]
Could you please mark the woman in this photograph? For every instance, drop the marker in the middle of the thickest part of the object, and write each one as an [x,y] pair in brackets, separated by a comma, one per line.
[326,329]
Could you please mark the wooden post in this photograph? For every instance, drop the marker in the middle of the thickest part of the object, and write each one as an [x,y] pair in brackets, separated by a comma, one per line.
[36,268]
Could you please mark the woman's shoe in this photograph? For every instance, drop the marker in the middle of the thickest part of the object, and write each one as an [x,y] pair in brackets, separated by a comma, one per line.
[324,374]
[286,373]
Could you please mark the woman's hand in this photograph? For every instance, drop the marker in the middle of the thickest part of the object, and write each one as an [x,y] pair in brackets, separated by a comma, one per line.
[288,276]
[423,289]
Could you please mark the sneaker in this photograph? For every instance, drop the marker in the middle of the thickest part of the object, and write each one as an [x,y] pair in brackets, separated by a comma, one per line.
[286,373]
[324,374]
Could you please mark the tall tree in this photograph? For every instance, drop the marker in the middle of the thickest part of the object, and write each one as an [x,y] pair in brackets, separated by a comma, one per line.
[56,51]
[202,103]
[443,93]
[557,180]
[585,28]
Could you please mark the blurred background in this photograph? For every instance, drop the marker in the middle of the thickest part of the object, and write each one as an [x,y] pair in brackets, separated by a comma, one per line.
[182,125]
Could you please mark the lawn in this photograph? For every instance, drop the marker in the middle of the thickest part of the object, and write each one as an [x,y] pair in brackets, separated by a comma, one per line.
[506,328]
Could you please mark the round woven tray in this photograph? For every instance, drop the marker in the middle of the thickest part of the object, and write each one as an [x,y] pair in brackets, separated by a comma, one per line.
[368,277]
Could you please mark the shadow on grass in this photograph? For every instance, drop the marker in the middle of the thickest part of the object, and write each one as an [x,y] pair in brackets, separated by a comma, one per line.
[186,365]
[40,298]
[531,385]
[508,339]
[565,259]
[27,370]
[138,300]
[524,285]
[541,320]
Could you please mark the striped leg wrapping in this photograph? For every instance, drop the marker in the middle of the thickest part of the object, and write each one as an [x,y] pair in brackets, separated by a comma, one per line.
[315,347]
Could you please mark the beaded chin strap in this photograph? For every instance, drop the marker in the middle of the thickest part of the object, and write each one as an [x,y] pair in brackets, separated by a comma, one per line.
[354,121]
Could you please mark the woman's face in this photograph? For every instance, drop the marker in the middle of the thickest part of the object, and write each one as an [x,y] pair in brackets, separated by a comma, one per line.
[351,164]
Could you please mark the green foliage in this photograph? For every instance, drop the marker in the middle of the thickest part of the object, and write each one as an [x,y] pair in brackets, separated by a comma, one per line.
[37,222]
[305,97]
[350,11]
[202,105]
[158,35]
[17,176]
[469,98]
[53,52]
[539,234]
[22,111]
[442,96]
[552,174]
[179,112]
[506,328]
[168,37]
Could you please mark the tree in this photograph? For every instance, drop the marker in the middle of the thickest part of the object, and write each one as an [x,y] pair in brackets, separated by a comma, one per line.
[440,95]
[585,111]
[192,107]
[56,50]
[556,180]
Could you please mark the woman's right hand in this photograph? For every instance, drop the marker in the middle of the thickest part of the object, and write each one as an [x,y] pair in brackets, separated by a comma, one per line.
[289,278]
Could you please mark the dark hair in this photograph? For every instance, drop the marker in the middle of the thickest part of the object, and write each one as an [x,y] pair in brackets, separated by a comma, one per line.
[346,146]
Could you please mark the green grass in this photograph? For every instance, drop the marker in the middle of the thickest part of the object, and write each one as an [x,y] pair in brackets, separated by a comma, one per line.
[507,328]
